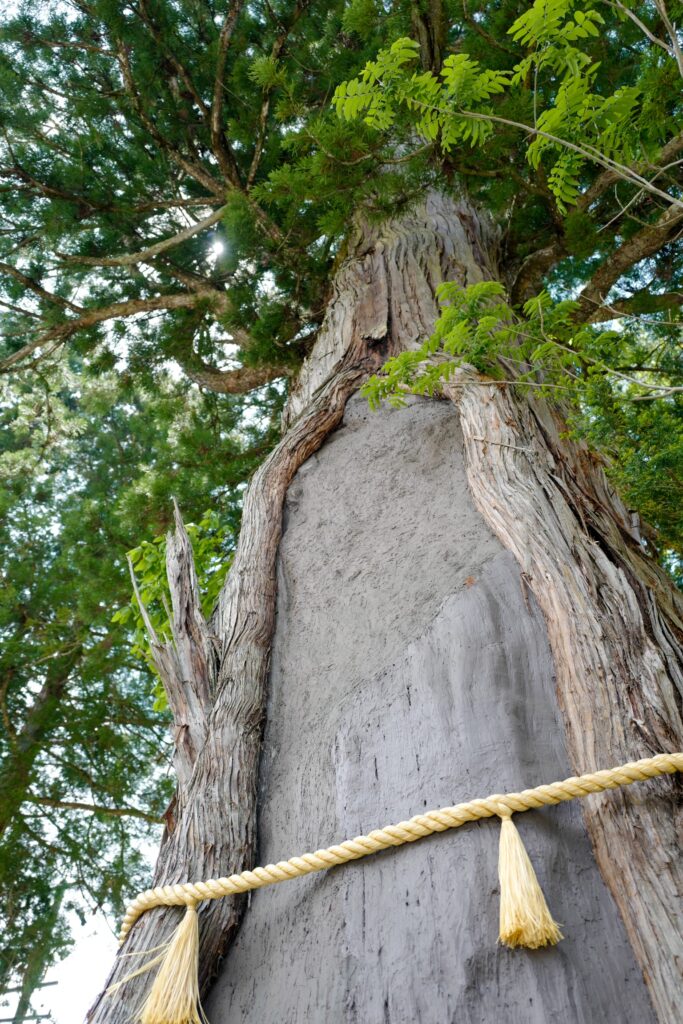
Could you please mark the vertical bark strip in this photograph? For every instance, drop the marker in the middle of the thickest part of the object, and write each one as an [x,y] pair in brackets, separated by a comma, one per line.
[212,830]
[615,628]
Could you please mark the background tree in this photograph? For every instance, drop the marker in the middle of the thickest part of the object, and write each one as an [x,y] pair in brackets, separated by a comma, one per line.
[175,174]
[84,754]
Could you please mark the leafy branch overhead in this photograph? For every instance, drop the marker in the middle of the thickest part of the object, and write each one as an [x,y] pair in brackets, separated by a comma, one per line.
[617,387]
[572,123]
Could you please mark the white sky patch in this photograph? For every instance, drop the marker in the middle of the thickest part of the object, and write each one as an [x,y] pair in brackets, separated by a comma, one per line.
[80,977]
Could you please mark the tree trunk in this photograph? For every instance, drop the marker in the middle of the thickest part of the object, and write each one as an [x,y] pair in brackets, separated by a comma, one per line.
[411,668]
[36,966]
[418,633]
[42,719]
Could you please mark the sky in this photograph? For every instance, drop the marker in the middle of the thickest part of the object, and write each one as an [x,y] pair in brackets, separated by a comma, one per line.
[79,977]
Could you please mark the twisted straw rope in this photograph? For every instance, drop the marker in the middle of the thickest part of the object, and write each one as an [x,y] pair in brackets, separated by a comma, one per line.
[503,805]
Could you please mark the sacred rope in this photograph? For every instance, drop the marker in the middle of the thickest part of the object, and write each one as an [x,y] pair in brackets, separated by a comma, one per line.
[524,916]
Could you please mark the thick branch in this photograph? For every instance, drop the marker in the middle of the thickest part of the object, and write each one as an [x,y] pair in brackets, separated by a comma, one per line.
[644,243]
[429,26]
[527,283]
[75,805]
[235,382]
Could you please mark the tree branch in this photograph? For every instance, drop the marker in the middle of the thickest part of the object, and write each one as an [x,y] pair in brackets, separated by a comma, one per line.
[75,805]
[275,54]
[193,170]
[37,289]
[636,304]
[642,26]
[587,151]
[532,271]
[220,145]
[667,158]
[673,35]
[234,382]
[128,259]
[644,243]
[61,332]
[179,67]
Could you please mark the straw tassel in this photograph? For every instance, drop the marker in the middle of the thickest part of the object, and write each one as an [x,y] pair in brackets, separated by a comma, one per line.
[524,916]
[174,996]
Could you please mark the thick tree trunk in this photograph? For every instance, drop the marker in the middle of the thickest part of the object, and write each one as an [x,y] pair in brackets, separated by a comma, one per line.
[412,667]
[42,719]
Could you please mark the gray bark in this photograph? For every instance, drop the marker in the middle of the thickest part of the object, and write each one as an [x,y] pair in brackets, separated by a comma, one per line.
[411,668]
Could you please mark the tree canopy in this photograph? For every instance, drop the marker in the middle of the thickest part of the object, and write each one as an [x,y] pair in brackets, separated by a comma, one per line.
[179,180]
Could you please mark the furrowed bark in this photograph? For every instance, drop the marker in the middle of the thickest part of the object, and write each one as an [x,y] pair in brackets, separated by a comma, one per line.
[615,625]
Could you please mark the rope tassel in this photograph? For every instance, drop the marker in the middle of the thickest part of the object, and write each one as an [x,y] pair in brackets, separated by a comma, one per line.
[524,916]
[174,995]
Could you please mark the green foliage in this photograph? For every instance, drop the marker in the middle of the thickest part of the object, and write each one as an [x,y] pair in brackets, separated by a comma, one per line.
[644,443]
[265,73]
[88,465]
[102,156]
[360,17]
[573,123]
[614,385]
